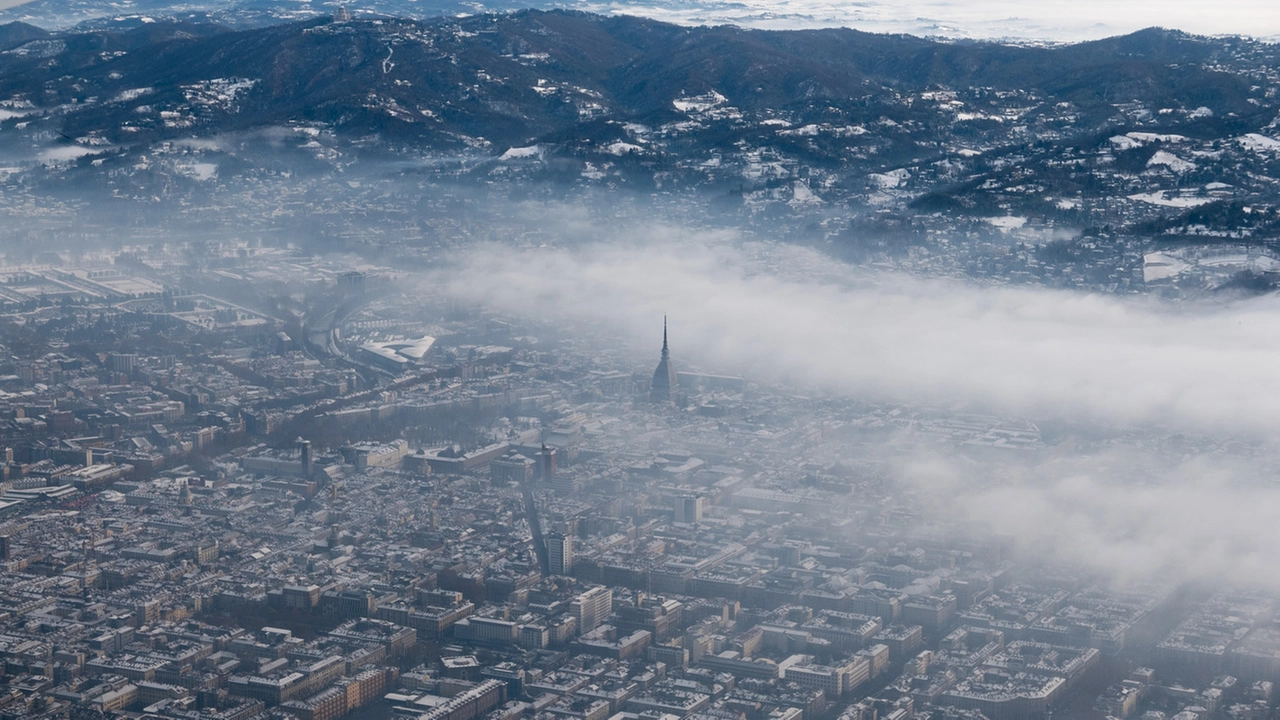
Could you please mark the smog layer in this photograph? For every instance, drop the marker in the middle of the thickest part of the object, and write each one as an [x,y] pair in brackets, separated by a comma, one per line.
[541,364]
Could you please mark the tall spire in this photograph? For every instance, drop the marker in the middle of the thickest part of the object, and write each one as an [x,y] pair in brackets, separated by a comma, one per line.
[664,388]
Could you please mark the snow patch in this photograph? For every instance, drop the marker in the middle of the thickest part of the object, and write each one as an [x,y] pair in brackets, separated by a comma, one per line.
[220,93]
[802,195]
[1161,266]
[522,152]
[1171,161]
[1171,199]
[623,148]
[890,180]
[1124,143]
[699,103]
[199,171]
[1138,139]
[807,130]
[1006,223]
[132,94]
[38,49]
[1259,143]
[1146,137]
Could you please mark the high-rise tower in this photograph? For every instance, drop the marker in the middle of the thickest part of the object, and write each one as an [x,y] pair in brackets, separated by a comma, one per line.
[664,387]
[592,608]
[688,508]
[308,463]
[559,554]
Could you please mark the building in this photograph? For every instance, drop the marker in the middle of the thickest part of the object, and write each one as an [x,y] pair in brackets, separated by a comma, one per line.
[367,455]
[300,597]
[487,630]
[688,508]
[471,703]
[1006,697]
[122,362]
[665,388]
[834,681]
[591,608]
[560,554]
[308,467]
[397,355]
[606,641]
[534,637]
[511,468]
[546,463]
[353,281]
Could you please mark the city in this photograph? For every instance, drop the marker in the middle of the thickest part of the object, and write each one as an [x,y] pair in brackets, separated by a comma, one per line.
[469,360]
[369,500]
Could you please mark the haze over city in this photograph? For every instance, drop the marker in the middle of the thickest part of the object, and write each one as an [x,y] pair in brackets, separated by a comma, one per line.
[443,360]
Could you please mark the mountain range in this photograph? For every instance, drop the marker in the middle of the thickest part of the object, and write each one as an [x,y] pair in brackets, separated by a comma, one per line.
[528,76]
[1131,130]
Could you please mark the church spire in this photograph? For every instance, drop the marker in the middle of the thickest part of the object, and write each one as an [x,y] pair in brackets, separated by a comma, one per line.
[665,387]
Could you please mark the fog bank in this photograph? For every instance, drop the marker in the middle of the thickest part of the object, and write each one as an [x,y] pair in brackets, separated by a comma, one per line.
[1130,517]
[792,315]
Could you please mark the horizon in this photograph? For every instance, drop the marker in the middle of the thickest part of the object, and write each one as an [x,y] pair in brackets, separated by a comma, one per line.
[951,20]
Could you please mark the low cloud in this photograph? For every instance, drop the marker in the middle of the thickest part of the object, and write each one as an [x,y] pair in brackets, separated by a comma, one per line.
[781,313]
[1130,517]
[777,313]
[1062,22]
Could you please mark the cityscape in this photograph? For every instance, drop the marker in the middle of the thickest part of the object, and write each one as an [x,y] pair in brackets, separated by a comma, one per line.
[658,360]
[388,503]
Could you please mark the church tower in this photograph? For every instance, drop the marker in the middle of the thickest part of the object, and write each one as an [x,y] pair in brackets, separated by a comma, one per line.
[664,387]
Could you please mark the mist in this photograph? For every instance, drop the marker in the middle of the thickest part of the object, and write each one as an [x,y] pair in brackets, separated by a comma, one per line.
[1132,517]
[790,314]
[335,353]
[786,314]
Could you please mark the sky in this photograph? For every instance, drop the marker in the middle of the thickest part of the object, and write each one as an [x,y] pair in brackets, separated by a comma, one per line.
[979,19]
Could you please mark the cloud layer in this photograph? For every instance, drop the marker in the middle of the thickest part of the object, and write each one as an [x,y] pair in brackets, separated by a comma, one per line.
[1130,517]
[779,313]
[1014,19]
[787,314]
